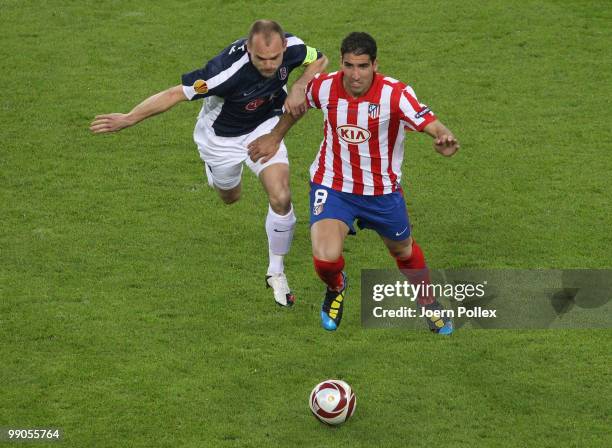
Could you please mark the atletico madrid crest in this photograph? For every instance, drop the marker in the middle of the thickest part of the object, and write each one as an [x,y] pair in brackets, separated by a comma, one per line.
[373,111]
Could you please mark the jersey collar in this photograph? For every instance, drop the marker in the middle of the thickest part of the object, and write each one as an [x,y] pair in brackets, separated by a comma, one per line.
[368,96]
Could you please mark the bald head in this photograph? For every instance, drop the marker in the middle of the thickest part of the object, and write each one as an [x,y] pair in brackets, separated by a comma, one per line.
[266,46]
[269,30]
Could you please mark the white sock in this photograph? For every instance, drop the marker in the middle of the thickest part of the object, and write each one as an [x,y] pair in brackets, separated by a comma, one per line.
[276,265]
[280,234]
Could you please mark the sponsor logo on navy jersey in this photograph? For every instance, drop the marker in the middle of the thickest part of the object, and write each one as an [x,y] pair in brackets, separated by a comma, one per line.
[253,105]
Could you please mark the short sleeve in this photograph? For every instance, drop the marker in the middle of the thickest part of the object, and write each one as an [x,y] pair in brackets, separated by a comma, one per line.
[414,114]
[312,92]
[299,54]
[215,78]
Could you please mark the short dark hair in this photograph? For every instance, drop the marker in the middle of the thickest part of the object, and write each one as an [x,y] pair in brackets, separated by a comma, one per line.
[359,43]
[267,28]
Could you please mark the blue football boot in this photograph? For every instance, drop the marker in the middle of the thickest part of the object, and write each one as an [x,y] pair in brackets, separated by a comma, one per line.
[333,304]
[439,324]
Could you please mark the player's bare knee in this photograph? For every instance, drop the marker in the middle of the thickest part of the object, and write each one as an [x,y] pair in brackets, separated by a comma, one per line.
[328,254]
[280,201]
[402,252]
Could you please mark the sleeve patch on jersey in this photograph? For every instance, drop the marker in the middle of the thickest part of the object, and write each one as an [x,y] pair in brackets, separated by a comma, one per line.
[311,56]
[200,86]
[422,112]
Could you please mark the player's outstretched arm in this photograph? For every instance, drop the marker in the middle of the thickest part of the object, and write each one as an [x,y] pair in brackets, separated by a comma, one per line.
[265,146]
[444,140]
[295,104]
[153,105]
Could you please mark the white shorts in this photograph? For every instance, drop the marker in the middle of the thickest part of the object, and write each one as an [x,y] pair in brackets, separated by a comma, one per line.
[223,156]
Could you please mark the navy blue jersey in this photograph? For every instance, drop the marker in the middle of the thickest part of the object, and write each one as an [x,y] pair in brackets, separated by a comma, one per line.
[237,97]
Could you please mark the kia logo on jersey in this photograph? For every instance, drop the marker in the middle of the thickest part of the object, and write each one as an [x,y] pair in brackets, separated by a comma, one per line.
[253,105]
[353,134]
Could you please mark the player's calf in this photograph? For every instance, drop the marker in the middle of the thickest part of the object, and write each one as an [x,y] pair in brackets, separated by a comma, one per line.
[415,270]
[275,180]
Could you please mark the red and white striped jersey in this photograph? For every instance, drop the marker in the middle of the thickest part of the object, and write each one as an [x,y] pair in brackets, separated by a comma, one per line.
[363,138]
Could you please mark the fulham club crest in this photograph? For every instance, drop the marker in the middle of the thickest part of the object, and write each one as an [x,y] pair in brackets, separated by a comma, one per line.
[282,73]
[373,111]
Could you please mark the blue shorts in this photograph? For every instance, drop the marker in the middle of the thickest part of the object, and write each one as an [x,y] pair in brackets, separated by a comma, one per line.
[386,214]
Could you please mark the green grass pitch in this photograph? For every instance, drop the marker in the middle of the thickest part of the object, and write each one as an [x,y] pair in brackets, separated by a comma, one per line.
[132,307]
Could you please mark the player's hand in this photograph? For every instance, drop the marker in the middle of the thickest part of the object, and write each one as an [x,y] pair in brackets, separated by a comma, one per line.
[264,147]
[295,104]
[446,144]
[109,123]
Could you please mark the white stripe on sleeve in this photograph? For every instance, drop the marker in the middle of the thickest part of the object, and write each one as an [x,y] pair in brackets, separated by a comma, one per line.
[189,92]
[226,74]
[294,41]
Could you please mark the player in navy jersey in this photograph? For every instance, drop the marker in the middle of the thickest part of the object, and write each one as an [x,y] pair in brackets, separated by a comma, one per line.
[244,92]
[356,174]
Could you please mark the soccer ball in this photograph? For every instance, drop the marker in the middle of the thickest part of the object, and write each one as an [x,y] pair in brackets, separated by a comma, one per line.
[332,402]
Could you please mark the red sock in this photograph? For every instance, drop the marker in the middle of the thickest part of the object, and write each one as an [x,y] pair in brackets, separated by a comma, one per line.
[415,270]
[330,271]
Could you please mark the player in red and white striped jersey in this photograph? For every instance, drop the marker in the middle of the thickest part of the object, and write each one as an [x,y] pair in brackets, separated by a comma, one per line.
[363,144]
[356,174]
